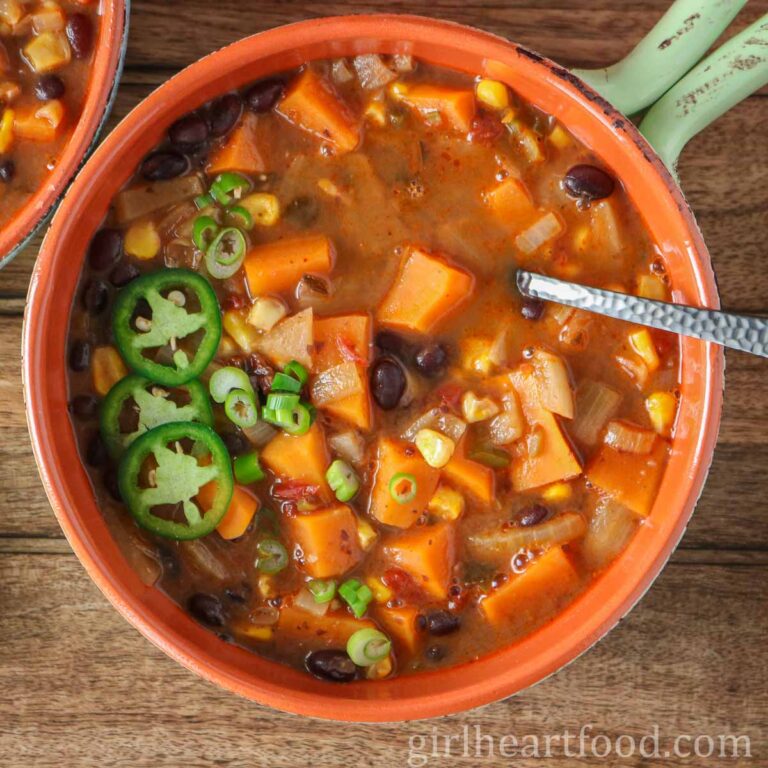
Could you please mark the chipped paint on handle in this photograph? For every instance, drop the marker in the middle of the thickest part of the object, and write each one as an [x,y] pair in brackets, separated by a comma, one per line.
[729,75]
[679,39]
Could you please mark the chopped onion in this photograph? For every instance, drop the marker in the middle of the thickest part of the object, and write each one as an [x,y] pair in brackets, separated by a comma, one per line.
[605,228]
[541,231]
[307,602]
[506,428]
[340,71]
[610,528]
[372,72]
[336,383]
[447,423]
[501,544]
[204,559]
[498,352]
[575,332]
[553,383]
[403,62]
[259,434]
[630,438]
[596,403]
[264,616]
[348,445]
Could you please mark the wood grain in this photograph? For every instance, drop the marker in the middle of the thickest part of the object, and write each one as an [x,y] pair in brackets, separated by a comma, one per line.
[82,688]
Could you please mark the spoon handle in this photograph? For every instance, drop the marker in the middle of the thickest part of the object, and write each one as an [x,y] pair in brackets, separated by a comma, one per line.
[742,332]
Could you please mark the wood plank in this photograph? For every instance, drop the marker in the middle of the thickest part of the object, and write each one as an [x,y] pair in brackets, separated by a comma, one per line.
[83,688]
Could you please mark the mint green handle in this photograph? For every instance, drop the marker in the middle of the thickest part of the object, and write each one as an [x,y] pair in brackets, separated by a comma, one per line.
[733,72]
[679,39]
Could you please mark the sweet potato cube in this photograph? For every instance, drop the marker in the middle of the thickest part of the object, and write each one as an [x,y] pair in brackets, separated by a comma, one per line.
[400,625]
[470,476]
[48,51]
[456,106]
[632,479]
[311,103]
[511,202]
[240,152]
[428,554]
[395,457]
[303,458]
[341,339]
[242,507]
[553,458]
[331,630]
[545,582]
[426,289]
[326,542]
[279,266]
[40,123]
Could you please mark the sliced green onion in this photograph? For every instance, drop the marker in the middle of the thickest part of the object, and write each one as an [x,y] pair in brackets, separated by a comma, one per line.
[228,187]
[240,216]
[312,412]
[298,421]
[322,590]
[298,371]
[272,556]
[203,201]
[225,380]
[204,231]
[226,253]
[367,646]
[241,408]
[278,401]
[490,457]
[248,468]
[356,595]
[343,480]
[284,383]
[269,415]
[403,487]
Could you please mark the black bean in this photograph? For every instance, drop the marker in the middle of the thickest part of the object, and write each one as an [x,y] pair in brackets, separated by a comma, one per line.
[223,114]
[262,96]
[106,248]
[84,407]
[80,34]
[387,341]
[163,165]
[169,562]
[302,211]
[123,273]
[334,666]
[588,182]
[95,296]
[49,87]
[188,132]
[532,515]
[387,383]
[111,484]
[442,623]
[435,653]
[80,356]
[532,309]
[7,171]
[207,609]
[235,443]
[96,452]
[431,360]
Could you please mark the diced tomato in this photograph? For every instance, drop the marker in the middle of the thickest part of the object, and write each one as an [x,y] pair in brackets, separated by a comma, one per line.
[347,350]
[450,396]
[291,490]
[486,129]
[403,585]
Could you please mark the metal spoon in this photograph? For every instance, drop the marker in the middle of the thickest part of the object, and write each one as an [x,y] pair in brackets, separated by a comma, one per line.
[742,332]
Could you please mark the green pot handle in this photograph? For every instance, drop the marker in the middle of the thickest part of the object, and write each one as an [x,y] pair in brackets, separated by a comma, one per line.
[729,75]
[679,39]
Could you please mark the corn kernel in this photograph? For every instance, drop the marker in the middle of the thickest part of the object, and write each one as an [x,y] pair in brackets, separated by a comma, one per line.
[446,503]
[266,313]
[256,633]
[508,116]
[650,287]
[11,12]
[493,94]
[397,90]
[381,592]
[435,447]
[241,331]
[581,239]
[366,533]
[642,343]
[48,51]
[661,407]
[380,669]
[476,355]
[557,492]
[264,207]
[6,131]
[376,112]
[107,368]
[477,408]
[142,240]
[227,347]
[266,586]
[559,137]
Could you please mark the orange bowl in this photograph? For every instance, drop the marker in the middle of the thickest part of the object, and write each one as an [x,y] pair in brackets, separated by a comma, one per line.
[498,674]
[106,69]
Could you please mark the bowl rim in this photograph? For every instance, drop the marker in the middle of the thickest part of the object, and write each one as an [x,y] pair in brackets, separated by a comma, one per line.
[104,79]
[441,692]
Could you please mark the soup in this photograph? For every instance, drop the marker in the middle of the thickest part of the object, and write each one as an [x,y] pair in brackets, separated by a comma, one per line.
[314,410]
[45,58]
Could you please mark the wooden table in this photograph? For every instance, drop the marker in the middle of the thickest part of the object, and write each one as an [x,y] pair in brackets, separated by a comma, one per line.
[80,687]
